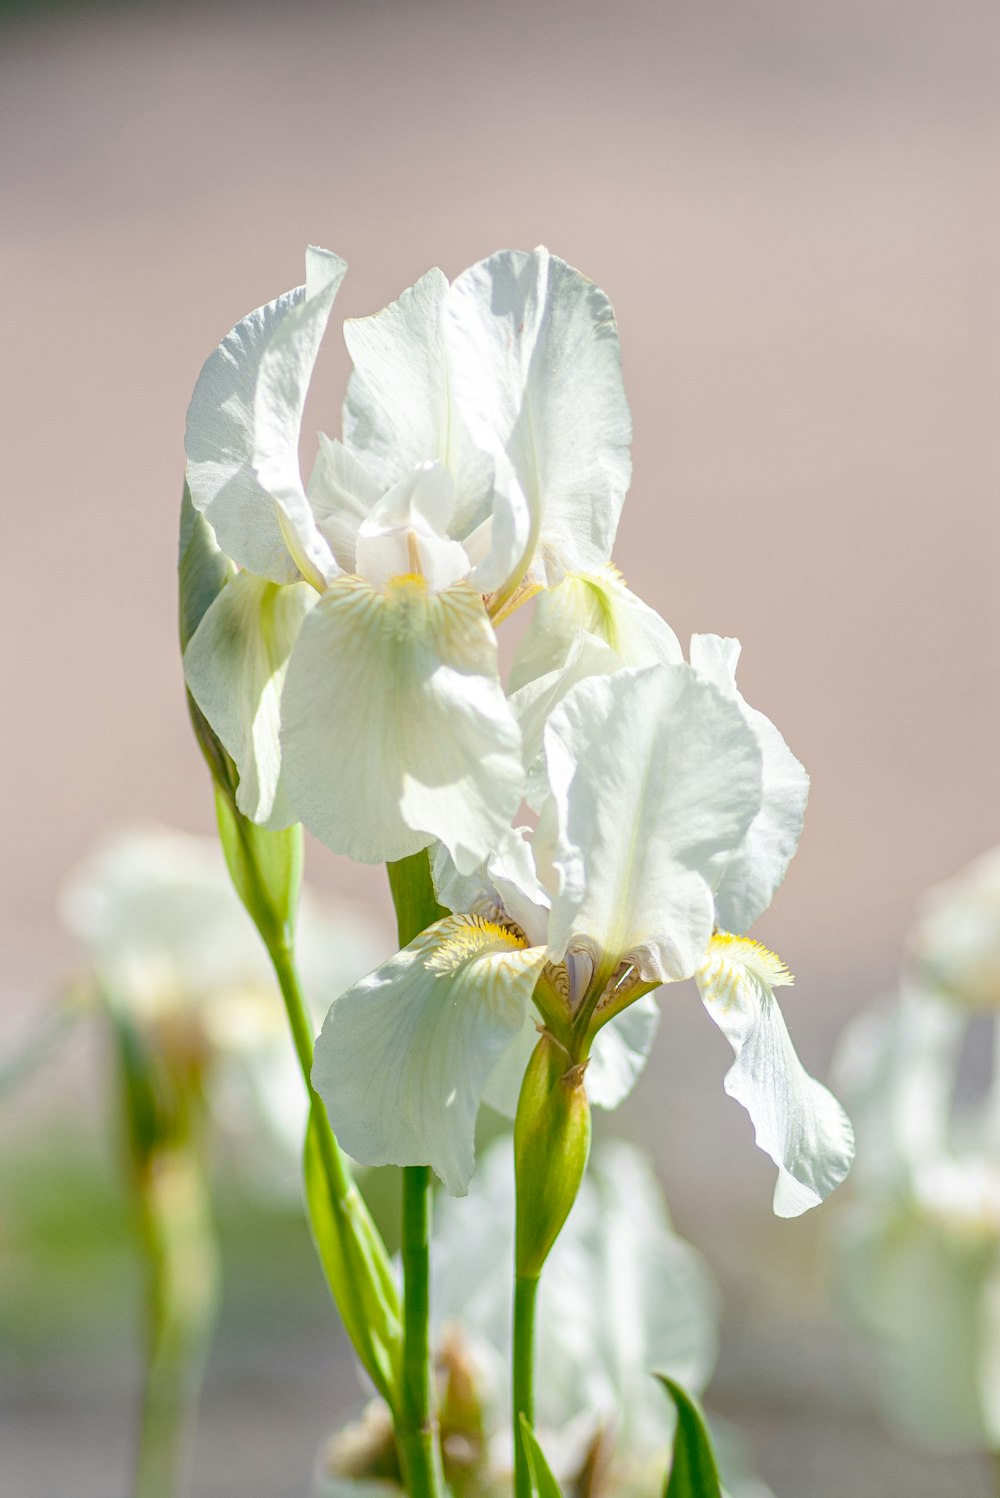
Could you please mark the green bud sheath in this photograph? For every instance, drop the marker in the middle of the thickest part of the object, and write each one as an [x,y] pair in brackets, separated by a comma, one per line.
[551,1145]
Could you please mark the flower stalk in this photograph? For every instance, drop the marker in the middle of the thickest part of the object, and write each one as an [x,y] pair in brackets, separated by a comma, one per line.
[417,1425]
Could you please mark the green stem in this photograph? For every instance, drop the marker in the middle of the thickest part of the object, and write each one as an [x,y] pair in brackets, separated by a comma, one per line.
[180,1305]
[417,1426]
[335,1166]
[525,1294]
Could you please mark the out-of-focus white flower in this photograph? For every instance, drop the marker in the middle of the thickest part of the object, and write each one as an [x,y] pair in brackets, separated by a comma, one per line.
[655,787]
[955,945]
[350,667]
[171,947]
[622,1295]
[921,1246]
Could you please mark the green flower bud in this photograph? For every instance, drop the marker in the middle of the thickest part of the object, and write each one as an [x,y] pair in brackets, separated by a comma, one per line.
[551,1145]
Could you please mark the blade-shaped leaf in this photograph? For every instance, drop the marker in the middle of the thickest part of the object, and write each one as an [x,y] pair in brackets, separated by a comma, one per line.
[357,1269]
[543,1484]
[693,1473]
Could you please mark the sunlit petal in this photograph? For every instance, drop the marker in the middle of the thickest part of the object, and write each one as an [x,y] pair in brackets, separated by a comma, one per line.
[405,1054]
[400,411]
[537,375]
[796,1120]
[749,877]
[395,729]
[653,774]
[286,366]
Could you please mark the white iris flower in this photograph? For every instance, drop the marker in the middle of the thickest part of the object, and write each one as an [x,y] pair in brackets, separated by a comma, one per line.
[657,783]
[349,667]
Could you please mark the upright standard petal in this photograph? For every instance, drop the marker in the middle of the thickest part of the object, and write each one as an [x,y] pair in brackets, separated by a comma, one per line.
[395,729]
[286,366]
[749,878]
[652,775]
[400,410]
[796,1120]
[536,370]
[405,1054]
[235,668]
[221,438]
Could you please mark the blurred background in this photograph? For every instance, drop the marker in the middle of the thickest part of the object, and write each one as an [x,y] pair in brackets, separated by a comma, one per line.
[794,211]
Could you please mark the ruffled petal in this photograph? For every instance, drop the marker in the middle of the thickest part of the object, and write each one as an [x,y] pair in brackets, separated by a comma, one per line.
[235,667]
[221,439]
[219,446]
[286,366]
[750,876]
[400,411]
[796,1120]
[395,729]
[536,371]
[652,774]
[600,605]
[404,1055]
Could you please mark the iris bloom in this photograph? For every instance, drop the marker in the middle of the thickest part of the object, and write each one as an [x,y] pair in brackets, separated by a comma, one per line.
[657,783]
[623,1295]
[921,1247]
[349,666]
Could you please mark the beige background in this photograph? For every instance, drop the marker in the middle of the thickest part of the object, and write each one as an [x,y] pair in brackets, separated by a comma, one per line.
[793,209]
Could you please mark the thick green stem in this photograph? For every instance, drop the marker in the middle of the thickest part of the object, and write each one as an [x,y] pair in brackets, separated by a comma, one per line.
[417,1428]
[417,1425]
[525,1294]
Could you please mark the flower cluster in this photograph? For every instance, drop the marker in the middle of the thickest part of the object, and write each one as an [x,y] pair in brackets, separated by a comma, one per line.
[349,668]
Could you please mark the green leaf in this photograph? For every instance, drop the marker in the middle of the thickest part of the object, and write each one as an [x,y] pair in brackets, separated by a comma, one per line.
[356,1265]
[543,1484]
[693,1473]
[265,867]
[413,896]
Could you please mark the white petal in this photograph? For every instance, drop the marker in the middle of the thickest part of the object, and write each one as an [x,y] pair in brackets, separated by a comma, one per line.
[652,774]
[407,532]
[286,366]
[597,604]
[796,1120]
[620,1051]
[395,730]
[534,703]
[537,374]
[235,666]
[404,1055]
[219,443]
[341,493]
[749,878]
[400,411]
